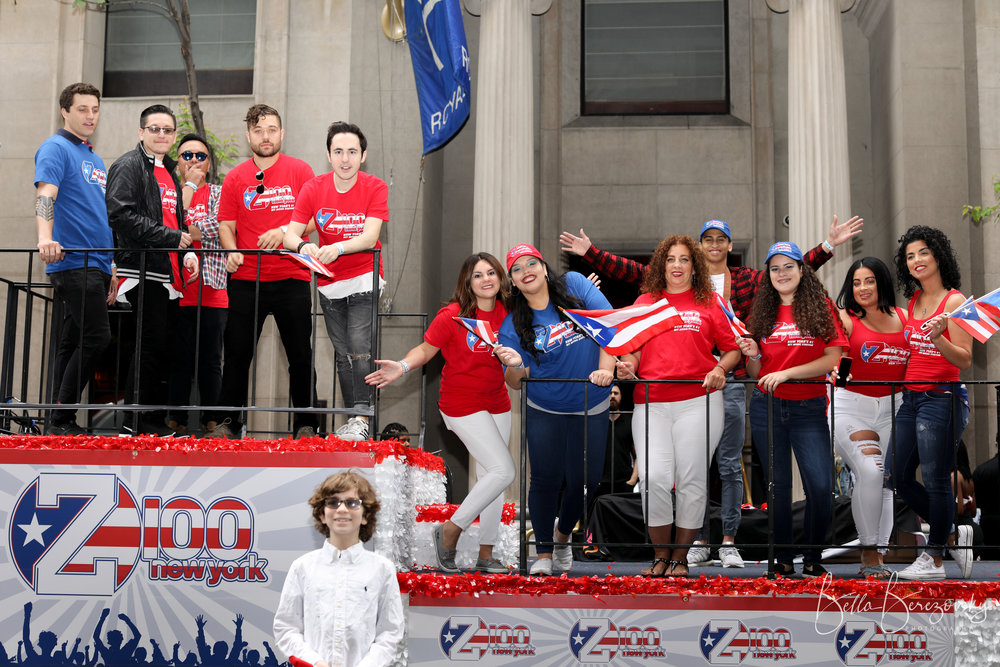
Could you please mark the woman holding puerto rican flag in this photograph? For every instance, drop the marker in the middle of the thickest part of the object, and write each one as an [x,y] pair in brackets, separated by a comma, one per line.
[473,399]
[669,422]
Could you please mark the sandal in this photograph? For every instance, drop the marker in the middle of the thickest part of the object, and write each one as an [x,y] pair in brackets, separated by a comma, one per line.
[674,564]
[879,572]
[651,573]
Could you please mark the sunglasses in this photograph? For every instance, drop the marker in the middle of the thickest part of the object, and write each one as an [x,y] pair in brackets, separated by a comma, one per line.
[191,155]
[165,131]
[350,503]
[260,186]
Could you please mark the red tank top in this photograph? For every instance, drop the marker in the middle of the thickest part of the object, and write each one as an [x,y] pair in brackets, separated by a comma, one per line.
[878,357]
[926,361]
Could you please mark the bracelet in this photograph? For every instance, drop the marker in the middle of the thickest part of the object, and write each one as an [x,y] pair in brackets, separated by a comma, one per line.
[189,184]
[406,366]
[303,243]
[340,247]
[827,246]
[722,367]
[518,367]
[757,358]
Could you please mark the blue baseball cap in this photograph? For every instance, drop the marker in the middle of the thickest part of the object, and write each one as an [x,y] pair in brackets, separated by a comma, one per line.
[721,225]
[786,248]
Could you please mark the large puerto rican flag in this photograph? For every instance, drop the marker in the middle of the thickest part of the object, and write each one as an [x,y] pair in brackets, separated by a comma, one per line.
[624,330]
[975,319]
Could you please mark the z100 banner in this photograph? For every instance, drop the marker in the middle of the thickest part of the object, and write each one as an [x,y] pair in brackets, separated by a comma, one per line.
[680,630]
[152,558]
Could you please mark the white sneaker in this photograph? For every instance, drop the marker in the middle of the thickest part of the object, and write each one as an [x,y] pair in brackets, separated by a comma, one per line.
[730,556]
[963,557]
[541,567]
[923,569]
[699,555]
[356,428]
[562,557]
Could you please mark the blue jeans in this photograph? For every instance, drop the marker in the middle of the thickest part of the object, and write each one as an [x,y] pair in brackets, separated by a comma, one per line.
[729,457]
[926,436]
[799,427]
[349,325]
[557,453]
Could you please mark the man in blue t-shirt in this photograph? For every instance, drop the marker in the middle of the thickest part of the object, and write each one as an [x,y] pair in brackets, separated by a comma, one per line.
[70,213]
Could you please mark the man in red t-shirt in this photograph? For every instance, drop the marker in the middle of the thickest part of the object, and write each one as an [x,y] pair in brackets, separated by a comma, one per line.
[254,208]
[145,212]
[347,207]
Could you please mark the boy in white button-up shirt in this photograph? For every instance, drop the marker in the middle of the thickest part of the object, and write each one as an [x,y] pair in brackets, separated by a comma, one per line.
[341,606]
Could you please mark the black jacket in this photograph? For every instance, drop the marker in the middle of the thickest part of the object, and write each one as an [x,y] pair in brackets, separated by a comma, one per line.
[136,215]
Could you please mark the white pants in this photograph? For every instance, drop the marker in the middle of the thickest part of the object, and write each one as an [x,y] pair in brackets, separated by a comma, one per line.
[485,435]
[677,456]
[871,501]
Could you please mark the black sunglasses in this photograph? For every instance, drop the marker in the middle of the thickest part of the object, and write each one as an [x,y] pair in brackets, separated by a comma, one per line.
[260,177]
[191,155]
[350,503]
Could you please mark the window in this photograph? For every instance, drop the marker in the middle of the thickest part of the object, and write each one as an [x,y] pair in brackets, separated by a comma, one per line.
[142,54]
[655,57]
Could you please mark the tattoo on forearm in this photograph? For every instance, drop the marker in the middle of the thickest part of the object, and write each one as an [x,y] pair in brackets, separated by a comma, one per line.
[45,207]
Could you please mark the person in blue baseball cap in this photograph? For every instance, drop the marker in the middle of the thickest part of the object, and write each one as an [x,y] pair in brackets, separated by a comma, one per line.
[737,285]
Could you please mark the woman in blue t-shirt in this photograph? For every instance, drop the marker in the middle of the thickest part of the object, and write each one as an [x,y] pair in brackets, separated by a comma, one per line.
[567,422]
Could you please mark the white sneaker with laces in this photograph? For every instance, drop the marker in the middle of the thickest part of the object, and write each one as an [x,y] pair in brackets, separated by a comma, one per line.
[922,569]
[699,555]
[541,567]
[356,428]
[730,556]
[963,557]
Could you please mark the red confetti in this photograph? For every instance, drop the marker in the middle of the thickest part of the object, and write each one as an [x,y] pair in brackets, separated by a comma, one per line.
[442,512]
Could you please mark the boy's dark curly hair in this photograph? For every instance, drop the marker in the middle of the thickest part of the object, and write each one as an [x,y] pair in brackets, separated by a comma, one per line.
[939,244]
[655,281]
[523,316]
[811,309]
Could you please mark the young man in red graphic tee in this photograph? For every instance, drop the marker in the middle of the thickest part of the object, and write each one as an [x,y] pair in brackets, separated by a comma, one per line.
[144,209]
[257,200]
[347,207]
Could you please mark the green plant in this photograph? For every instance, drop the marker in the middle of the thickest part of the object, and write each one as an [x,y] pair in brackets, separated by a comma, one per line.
[980,213]
[226,150]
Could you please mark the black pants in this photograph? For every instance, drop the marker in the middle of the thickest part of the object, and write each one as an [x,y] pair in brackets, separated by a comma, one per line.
[84,333]
[159,349]
[207,338]
[289,302]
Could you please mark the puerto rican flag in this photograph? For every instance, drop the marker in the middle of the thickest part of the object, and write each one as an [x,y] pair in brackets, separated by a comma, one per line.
[624,330]
[974,319]
[481,329]
[735,323]
[312,263]
[991,304]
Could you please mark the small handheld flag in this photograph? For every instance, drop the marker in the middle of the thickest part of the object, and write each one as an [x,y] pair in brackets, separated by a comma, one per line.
[975,320]
[311,263]
[735,323]
[624,330]
[481,329]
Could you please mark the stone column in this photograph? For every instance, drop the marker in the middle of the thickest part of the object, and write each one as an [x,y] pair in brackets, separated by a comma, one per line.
[818,168]
[503,209]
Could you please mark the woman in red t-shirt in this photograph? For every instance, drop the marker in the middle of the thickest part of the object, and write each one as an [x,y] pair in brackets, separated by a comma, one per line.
[933,415]
[676,457]
[796,336]
[473,400]
[863,414]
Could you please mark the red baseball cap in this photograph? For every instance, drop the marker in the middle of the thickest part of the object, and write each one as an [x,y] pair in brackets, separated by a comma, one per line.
[520,250]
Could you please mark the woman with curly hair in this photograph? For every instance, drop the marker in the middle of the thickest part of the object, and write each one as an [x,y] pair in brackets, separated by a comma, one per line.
[567,422]
[796,336]
[669,420]
[935,407]
[473,402]
[863,414]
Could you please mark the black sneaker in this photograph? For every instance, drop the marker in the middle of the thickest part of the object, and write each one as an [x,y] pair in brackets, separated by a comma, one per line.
[65,428]
[814,570]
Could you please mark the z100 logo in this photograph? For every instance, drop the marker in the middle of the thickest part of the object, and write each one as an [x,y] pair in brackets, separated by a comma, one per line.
[84,534]
[865,643]
[598,640]
[469,637]
[729,642]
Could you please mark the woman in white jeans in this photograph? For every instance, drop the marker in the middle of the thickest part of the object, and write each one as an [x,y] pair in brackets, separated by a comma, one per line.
[669,421]
[473,401]
[863,414]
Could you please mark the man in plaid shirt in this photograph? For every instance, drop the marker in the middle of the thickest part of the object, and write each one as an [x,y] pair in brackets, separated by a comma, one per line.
[738,285]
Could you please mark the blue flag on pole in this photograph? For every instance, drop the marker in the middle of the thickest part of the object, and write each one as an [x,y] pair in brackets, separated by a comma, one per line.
[440,57]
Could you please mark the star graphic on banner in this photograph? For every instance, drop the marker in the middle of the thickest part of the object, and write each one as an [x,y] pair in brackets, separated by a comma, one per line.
[449,638]
[33,531]
[844,643]
[578,638]
[709,640]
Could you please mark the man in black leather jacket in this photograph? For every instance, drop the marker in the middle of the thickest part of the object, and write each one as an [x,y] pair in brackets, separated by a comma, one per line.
[145,211]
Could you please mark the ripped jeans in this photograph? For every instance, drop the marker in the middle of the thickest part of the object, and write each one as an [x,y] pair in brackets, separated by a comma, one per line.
[349,325]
